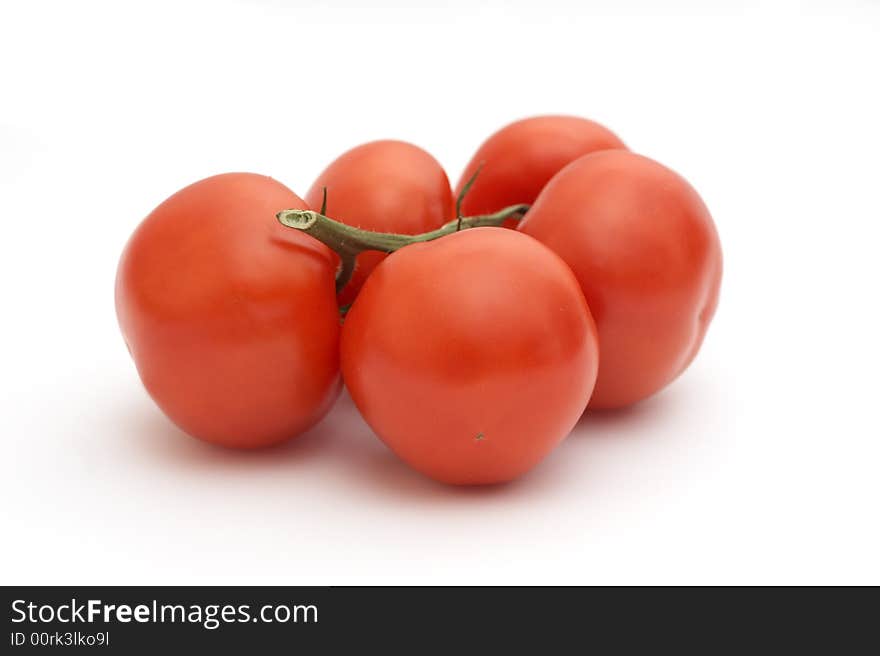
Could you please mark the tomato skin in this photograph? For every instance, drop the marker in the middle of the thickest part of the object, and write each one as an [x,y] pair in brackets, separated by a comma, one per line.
[647,255]
[231,317]
[385,186]
[520,159]
[471,356]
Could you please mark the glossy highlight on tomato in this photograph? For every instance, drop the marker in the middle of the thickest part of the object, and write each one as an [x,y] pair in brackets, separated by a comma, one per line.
[647,255]
[471,356]
[517,161]
[385,186]
[231,318]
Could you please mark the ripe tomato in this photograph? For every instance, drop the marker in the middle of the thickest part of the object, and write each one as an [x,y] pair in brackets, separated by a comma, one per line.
[471,356]
[386,186]
[230,317]
[519,159]
[646,253]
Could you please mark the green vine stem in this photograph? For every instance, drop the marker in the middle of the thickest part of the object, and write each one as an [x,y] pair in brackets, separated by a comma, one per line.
[464,192]
[349,241]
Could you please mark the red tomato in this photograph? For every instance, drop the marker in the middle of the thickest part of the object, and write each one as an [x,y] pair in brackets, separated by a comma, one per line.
[519,159]
[231,317]
[385,186]
[471,356]
[646,253]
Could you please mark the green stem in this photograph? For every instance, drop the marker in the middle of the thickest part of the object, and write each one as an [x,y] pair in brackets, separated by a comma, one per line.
[464,192]
[349,241]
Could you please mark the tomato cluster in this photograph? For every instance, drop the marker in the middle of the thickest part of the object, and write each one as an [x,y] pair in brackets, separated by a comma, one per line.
[471,329]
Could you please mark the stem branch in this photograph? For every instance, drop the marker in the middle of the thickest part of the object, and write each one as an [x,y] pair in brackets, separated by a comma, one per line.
[349,241]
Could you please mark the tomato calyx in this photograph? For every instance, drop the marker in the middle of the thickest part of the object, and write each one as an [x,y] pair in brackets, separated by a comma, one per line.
[349,242]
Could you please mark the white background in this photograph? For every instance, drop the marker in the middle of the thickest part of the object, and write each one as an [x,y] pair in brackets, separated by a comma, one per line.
[760,465]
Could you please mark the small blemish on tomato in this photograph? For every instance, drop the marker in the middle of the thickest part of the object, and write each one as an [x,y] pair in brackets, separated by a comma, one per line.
[480,437]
